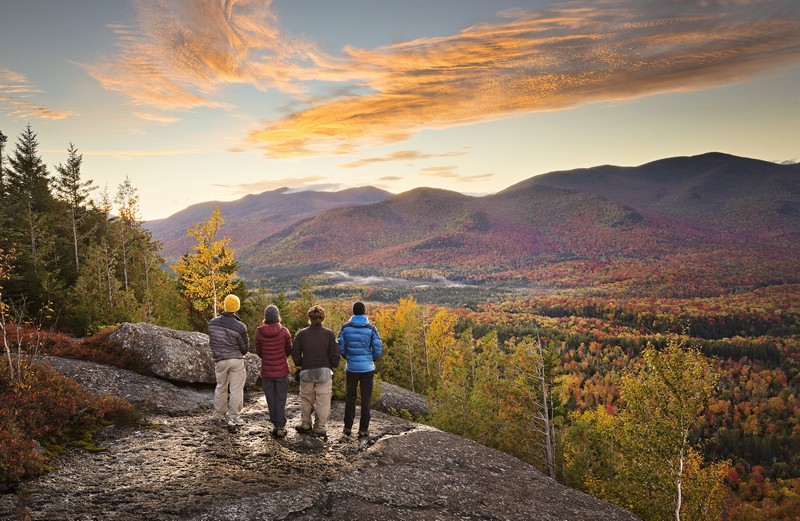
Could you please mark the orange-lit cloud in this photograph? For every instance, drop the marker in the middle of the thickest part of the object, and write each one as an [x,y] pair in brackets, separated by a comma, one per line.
[449,172]
[181,52]
[15,91]
[291,183]
[401,155]
[157,118]
[537,61]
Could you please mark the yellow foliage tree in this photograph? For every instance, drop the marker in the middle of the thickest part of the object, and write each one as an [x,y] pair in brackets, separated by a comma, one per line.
[207,275]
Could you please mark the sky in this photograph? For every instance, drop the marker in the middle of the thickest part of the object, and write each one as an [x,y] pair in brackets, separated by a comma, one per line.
[201,100]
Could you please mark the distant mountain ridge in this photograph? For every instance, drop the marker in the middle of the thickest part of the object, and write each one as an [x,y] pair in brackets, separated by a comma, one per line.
[255,216]
[716,220]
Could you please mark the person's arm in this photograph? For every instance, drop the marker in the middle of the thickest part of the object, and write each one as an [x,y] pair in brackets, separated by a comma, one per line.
[377,345]
[297,351]
[244,344]
[287,341]
[342,346]
[333,351]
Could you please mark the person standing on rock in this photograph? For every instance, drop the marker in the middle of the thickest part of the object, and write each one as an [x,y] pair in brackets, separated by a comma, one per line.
[274,345]
[227,336]
[360,345]
[316,354]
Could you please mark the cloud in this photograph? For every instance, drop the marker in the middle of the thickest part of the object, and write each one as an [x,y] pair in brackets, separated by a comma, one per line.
[130,154]
[298,184]
[400,155]
[158,118]
[581,52]
[180,52]
[15,89]
[449,172]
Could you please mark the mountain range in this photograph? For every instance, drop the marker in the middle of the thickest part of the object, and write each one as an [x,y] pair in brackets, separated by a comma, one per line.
[688,225]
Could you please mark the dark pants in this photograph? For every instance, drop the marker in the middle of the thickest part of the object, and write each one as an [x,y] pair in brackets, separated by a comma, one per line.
[353,380]
[275,390]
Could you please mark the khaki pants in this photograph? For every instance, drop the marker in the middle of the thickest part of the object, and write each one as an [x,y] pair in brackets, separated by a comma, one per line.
[316,396]
[231,373]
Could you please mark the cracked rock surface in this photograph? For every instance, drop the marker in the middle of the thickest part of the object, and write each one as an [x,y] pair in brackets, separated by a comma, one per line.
[184,466]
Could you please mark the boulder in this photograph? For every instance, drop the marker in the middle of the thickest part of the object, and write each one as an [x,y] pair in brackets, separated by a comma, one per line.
[396,400]
[179,356]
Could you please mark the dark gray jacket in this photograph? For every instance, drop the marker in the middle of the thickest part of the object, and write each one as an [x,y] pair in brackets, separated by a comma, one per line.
[227,336]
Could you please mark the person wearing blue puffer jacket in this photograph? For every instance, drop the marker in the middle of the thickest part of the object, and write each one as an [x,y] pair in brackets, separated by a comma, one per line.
[360,345]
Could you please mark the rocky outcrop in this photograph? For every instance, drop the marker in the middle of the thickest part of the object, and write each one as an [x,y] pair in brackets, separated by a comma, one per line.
[149,395]
[183,465]
[179,356]
[399,401]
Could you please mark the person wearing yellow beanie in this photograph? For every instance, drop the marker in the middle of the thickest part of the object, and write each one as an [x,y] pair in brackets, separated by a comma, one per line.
[227,337]
[231,304]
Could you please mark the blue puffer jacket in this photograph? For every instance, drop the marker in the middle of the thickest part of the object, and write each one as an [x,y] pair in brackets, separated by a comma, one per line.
[360,344]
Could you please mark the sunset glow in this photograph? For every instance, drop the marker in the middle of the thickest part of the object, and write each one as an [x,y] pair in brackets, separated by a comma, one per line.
[201,100]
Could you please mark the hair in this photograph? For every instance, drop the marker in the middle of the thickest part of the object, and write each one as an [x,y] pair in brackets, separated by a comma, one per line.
[359,308]
[316,315]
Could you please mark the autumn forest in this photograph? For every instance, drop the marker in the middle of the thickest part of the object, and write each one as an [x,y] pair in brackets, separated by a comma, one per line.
[633,333]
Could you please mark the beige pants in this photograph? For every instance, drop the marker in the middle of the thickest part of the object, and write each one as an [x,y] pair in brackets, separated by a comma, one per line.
[229,373]
[316,397]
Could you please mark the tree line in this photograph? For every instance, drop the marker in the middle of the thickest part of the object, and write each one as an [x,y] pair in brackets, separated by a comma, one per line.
[81,257]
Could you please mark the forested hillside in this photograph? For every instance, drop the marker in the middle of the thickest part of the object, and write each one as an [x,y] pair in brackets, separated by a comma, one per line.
[696,226]
[255,216]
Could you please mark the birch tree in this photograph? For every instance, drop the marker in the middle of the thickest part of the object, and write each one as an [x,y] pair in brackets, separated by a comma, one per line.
[207,274]
[74,192]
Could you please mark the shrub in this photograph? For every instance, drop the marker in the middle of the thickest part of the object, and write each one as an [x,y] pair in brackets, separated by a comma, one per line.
[44,406]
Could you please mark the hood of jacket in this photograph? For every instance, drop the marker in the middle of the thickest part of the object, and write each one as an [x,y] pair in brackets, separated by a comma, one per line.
[269,330]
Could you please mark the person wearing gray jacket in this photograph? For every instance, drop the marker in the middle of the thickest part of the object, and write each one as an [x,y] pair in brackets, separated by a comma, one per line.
[227,337]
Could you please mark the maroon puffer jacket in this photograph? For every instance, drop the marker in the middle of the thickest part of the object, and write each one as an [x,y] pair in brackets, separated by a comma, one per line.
[273,345]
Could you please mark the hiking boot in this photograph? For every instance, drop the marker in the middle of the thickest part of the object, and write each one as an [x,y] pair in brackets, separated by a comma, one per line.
[280,432]
[320,434]
[347,432]
[303,429]
[363,434]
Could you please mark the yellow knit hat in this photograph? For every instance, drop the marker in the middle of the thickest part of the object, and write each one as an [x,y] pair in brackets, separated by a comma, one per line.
[231,303]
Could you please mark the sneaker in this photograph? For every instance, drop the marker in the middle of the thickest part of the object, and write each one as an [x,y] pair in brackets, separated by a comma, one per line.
[303,429]
[280,433]
[347,432]
[363,434]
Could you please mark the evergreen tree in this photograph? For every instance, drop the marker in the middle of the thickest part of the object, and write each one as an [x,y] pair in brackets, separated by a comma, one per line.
[74,192]
[31,210]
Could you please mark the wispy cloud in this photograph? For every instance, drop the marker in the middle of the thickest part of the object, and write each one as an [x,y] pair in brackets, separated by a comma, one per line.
[450,173]
[15,92]
[180,52]
[400,155]
[157,118]
[130,154]
[538,61]
[292,184]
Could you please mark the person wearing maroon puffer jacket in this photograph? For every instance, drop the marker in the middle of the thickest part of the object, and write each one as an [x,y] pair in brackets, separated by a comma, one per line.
[273,345]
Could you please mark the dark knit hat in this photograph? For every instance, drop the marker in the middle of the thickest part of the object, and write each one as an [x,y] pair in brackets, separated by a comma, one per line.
[272,314]
[359,308]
